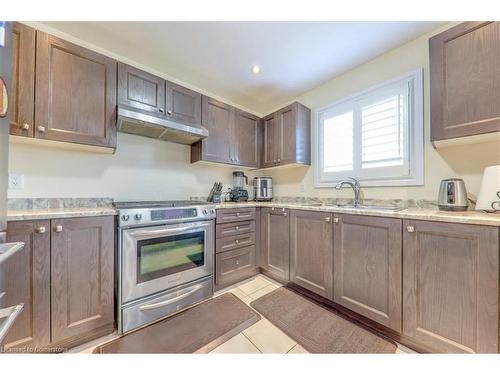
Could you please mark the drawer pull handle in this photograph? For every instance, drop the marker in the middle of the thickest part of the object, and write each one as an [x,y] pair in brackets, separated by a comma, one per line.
[169,301]
[237,214]
[58,228]
[336,220]
[327,219]
[410,228]
[237,228]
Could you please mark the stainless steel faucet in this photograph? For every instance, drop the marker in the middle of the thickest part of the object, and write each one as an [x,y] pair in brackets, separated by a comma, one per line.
[354,184]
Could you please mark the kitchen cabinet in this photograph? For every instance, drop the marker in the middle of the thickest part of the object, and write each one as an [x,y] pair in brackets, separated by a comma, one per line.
[368,267]
[65,278]
[75,93]
[28,282]
[234,136]
[311,251]
[275,243]
[287,136]
[140,90]
[23,80]
[183,104]
[464,107]
[235,245]
[450,286]
[82,281]
[246,139]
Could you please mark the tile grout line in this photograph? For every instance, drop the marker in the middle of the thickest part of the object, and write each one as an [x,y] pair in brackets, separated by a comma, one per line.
[254,344]
[291,348]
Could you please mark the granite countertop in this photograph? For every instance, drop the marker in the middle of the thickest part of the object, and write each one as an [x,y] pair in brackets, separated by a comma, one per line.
[55,208]
[417,213]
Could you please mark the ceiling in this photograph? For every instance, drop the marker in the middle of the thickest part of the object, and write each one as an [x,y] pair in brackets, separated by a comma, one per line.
[217,56]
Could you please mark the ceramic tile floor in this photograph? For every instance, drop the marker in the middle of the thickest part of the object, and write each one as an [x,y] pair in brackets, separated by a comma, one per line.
[262,337]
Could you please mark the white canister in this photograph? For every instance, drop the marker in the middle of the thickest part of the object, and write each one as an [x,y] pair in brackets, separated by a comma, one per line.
[488,198]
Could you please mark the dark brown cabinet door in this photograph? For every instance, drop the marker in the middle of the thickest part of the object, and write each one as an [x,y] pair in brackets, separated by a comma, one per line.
[82,276]
[183,104]
[235,265]
[311,251]
[141,90]
[465,80]
[75,93]
[450,286]
[28,281]
[270,140]
[218,119]
[275,243]
[246,139]
[368,267]
[23,80]
[286,134]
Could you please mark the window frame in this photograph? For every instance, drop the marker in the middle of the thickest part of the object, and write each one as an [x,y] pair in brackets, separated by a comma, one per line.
[415,177]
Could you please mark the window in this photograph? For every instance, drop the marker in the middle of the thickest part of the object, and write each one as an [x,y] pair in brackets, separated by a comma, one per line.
[375,136]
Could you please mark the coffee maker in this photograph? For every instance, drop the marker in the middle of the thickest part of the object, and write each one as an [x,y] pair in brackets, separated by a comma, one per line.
[239,193]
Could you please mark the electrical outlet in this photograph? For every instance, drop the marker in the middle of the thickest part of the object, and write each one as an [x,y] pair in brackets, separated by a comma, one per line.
[16,181]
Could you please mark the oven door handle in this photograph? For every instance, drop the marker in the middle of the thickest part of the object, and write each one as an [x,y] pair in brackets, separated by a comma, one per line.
[172,300]
[159,232]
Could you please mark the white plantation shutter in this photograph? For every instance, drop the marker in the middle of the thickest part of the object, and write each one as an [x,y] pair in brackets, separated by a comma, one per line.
[370,135]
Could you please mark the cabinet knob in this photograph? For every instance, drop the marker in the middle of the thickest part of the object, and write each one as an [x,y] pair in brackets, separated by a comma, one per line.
[328,219]
[237,214]
[40,230]
[161,110]
[169,112]
[274,161]
[272,208]
[58,228]
[279,160]
[40,128]
[285,214]
[335,220]
[410,229]
[237,262]
[237,228]
[237,242]
[25,126]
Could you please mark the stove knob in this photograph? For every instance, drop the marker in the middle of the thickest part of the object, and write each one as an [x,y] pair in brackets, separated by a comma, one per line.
[125,217]
[138,216]
[205,212]
[212,211]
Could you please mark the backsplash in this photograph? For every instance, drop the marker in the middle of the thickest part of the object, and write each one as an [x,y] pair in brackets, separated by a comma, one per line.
[44,203]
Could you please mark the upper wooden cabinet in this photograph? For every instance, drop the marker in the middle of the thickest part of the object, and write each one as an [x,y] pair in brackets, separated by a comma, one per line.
[311,251]
[368,267]
[23,80]
[183,104]
[28,282]
[233,135]
[450,286]
[274,258]
[140,90]
[465,80]
[75,93]
[146,92]
[287,136]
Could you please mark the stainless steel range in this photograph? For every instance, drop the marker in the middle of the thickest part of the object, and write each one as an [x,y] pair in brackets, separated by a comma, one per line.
[165,259]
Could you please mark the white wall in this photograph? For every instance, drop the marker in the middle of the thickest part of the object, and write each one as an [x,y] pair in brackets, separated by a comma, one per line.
[141,169]
[466,162]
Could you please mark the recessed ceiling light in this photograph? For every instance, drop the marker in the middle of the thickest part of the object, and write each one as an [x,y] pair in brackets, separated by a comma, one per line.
[255,69]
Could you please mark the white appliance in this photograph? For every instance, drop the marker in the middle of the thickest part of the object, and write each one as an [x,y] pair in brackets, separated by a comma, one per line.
[488,198]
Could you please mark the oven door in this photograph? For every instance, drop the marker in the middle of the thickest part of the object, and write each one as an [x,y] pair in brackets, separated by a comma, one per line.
[155,259]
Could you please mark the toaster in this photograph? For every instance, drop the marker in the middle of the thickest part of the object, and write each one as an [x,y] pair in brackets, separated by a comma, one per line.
[452,195]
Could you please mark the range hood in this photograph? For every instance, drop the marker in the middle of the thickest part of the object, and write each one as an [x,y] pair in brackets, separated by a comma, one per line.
[139,123]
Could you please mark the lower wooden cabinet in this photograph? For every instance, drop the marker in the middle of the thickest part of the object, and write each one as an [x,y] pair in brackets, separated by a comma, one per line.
[275,243]
[65,278]
[450,286]
[234,265]
[368,267]
[311,251]
[28,282]
[82,263]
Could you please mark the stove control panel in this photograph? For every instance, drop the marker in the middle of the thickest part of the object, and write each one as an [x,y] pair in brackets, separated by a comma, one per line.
[144,216]
[172,214]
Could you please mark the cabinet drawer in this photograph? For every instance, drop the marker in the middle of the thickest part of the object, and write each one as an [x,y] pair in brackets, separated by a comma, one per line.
[228,215]
[233,266]
[232,229]
[234,242]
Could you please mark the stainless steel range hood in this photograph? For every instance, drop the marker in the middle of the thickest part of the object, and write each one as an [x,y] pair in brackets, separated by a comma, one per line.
[139,123]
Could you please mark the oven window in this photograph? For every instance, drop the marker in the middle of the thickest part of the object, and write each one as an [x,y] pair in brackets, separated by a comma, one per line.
[159,257]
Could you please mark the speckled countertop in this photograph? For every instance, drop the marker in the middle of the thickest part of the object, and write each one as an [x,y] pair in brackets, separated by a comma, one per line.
[34,209]
[417,213]
[55,208]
